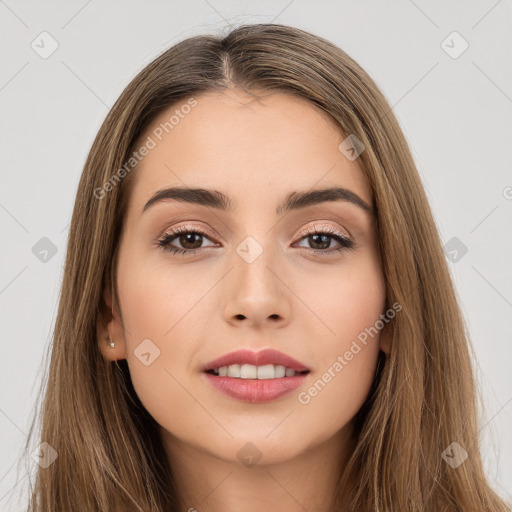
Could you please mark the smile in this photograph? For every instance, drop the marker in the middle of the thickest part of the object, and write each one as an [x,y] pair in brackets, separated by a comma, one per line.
[255,377]
[249,371]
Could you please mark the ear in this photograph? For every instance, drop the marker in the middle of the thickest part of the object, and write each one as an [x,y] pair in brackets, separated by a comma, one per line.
[110,327]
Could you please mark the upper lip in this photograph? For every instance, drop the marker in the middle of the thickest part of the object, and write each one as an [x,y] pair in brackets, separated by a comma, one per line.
[260,358]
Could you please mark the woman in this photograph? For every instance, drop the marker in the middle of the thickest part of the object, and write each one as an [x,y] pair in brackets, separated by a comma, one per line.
[256,309]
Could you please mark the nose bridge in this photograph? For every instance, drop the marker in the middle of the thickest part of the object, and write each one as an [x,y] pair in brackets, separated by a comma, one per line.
[255,291]
[252,260]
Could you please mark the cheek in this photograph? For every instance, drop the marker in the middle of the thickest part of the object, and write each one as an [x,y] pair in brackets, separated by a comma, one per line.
[347,355]
[154,312]
[163,303]
[348,300]
[334,395]
[158,300]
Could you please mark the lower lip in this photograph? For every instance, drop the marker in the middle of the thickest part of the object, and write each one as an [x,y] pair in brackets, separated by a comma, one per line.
[255,390]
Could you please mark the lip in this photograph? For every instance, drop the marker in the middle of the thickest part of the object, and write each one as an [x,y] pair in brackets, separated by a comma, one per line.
[255,390]
[260,358]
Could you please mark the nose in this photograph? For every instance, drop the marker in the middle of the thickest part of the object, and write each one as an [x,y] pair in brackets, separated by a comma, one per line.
[256,294]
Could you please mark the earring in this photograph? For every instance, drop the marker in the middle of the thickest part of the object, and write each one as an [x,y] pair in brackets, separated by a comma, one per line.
[111,343]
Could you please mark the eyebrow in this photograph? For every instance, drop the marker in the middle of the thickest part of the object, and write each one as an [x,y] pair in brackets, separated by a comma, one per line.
[293,201]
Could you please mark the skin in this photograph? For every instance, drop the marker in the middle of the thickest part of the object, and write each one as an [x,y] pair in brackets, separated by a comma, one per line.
[310,306]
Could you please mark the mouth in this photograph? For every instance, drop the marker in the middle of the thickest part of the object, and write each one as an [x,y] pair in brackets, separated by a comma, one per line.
[249,371]
[255,377]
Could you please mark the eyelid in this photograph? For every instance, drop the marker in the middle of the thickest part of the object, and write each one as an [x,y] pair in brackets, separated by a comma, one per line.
[329,228]
[186,228]
[311,229]
[346,242]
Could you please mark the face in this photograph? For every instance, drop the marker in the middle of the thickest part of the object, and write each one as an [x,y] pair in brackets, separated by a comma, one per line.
[305,280]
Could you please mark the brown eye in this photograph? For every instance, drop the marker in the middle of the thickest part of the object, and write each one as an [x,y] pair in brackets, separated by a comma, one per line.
[190,240]
[320,239]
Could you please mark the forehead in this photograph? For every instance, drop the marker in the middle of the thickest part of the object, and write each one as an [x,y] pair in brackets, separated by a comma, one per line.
[244,146]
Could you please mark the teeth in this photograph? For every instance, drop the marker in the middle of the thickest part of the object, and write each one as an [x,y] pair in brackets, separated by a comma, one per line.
[234,370]
[280,371]
[266,372]
[249,371]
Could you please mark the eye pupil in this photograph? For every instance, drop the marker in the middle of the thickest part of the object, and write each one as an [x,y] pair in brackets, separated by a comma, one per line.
[324,242]
[189,238]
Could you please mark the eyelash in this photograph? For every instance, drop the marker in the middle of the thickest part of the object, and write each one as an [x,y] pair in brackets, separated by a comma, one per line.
[164,242]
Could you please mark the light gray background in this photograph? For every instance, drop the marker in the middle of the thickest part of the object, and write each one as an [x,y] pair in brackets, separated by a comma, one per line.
[455,112]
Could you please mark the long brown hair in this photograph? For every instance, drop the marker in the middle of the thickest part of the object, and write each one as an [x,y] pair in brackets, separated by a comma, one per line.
[110,456]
